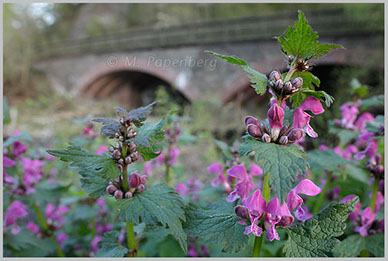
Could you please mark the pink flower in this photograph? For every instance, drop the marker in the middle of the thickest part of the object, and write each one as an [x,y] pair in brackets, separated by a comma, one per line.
[55,216]
[275,118]
[275,215]
[371,146]
[7,163]
[147,169]
[182,189]
[349,115]
[244,183]
[61,238]
[302,119]
[256,205]
[18,149]
[101,149]
[362,120]
[15,211]
[367,218]
[174,153]
[216,168]
[306,187]
[33,227]
[191,251]
[33,173]
[353,215]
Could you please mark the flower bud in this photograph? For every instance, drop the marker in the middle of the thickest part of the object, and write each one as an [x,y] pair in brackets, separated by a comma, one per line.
[177,132]
[144,179]
[279,84]
[379,169]
[128,195]
[285,221]
[117,135]
[116,154]
[130,134]
[295,134]
[381,129]
[111,189]
[118,194]
[128,160]
[121,138]
[274,76]
[251,120]
[266,138]
[168,132]
[140,188]
[134,180]
[134,156]
[132,146]
[121,161]
[297,82]
[242,212]
[275,133]
[283,130]
[254,130]
[378,158]
[111,149]
[283,140]
[288,87]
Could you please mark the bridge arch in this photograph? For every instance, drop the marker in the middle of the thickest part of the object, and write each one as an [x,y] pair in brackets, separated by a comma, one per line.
[133,81]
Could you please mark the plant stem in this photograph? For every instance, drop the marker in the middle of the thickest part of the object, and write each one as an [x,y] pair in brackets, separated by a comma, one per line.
[323,192]
[44,224]
[259,240]
[125,171]
[167,174]
[374,194]
[364,253]
[131,239]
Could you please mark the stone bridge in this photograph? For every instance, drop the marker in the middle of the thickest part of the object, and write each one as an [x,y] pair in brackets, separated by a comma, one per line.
[132,64]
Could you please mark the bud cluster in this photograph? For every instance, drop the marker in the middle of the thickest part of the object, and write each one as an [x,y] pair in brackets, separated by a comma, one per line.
[282,88]
[136,185]
[373,165]
[286,134]
[132,154]
[172,135]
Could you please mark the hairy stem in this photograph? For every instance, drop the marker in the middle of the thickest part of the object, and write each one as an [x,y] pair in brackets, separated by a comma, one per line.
[131,240]
[259,240]
[322,195]
[374,194]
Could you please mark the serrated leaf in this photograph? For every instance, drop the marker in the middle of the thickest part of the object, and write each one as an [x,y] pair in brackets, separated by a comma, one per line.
[93,184]
[161,204]
[137,116]
[110,246]
[87,161]
[322,96]
[217,224]
[353,244]
[301,41]
[153,134]
[317,236]
[259,81]
[24,239]
[327,159]
[284,163]
[110,127]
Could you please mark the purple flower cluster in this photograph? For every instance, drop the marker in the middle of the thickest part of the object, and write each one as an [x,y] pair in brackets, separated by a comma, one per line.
[189,189]
[14,212]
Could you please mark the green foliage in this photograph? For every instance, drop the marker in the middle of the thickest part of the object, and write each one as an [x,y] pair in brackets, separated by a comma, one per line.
[284,163]
[161,204]
[88,162]
[110,127]
[317,236]
[217,225]
[48,192]
[24,239]
[148,139]
[110,246]
[301,41]
[6,117]
[327,159]
[259,81]
[137,116]
[352,245]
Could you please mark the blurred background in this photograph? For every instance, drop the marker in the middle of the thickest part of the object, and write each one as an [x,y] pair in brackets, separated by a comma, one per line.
[70,61]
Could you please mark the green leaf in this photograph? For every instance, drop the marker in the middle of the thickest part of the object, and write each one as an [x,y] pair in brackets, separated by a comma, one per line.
[352,245]
[161,204]
[110,127]
[87,161]
[24,239]
[21,136]
[301,41]
[48,192]
[322,96]
[137,116]
[148,139]
[217,225]
[327,159]
[317,236]
[93,184]
[377,100]
[259,81]
[6,117]
[110,246]
[284,163]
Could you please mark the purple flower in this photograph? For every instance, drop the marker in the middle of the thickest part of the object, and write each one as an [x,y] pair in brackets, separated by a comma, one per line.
[353,215]
[244,183]
[191,251]
[349,115]
[61,238]
[18,149]
[362,120]
[147,169]
[216,168]
[256,205]
[182,189]
[55,216]
[275,118]
[302,119]
[7,163]
[15,211]
[101,149]
[174,153]
[94,244]
[33,227]
[367,218]
[371,146]
[306,187]
[347,153]
[276,214]
[33,173]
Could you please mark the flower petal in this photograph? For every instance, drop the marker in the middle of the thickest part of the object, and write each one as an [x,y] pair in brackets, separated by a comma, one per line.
[307,187]
[255,202]
[312,104]
[215,168]
[238,172]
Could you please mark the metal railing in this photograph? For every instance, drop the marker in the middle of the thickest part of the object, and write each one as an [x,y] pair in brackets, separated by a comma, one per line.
[329,22]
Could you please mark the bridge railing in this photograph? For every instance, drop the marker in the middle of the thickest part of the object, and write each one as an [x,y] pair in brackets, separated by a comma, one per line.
[326,22]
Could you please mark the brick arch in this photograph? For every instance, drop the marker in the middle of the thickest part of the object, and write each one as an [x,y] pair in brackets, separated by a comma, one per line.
[173,78]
